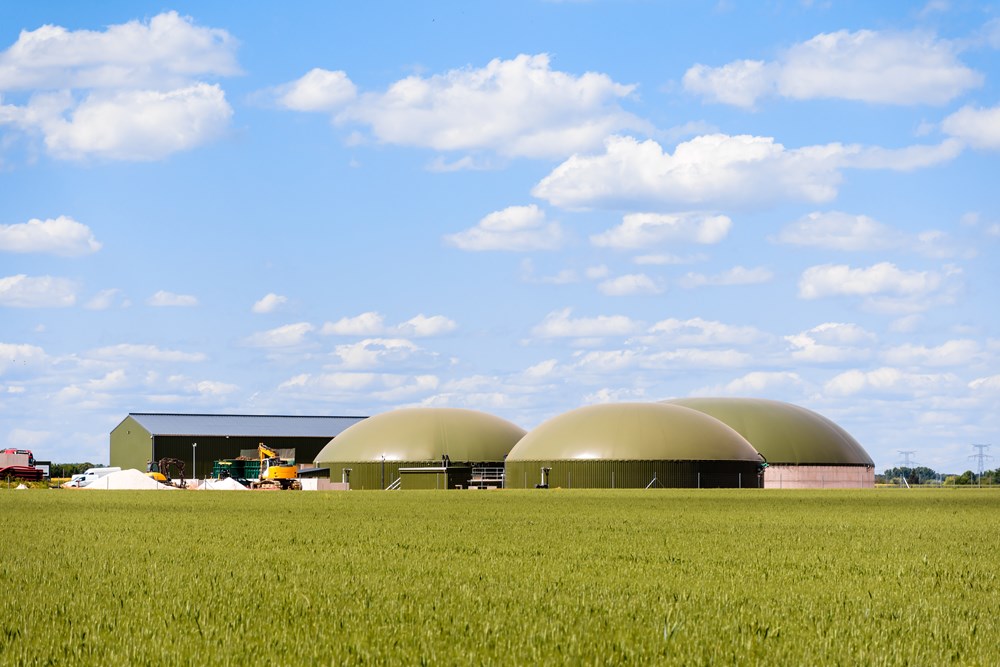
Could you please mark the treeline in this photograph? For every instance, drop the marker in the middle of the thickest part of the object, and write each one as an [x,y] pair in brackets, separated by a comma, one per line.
[924,475]
[70,469]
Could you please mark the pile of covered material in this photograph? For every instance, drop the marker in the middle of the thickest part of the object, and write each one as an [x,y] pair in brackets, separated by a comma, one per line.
[227,484]
[130,479]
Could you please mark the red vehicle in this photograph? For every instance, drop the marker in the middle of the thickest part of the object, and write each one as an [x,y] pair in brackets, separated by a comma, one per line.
[19,464]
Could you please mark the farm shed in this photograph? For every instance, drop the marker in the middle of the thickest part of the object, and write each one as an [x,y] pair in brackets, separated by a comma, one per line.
[376,449]
[632,445]
[803,449]
[143,436]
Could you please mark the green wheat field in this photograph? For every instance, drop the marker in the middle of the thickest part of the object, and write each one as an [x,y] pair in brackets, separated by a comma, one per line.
[687,577]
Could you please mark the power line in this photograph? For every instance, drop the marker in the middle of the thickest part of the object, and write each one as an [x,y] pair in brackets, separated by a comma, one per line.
[907,463]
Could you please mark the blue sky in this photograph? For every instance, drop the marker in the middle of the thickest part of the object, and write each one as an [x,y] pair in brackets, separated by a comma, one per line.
[516,207]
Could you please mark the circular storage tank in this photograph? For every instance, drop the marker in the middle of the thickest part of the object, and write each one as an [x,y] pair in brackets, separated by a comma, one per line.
[376,448]
[632,445]
[803,448]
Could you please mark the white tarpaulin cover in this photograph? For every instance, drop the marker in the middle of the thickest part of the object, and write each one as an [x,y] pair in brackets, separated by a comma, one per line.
[130,479]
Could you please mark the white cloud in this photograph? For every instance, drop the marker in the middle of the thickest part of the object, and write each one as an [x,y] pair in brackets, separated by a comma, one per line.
[373,324]
[140,352]
[166,50]
[215,388]
[422,326]
[986,384]
[951,353]
[365,324]
[106,299]
[563,277]
[698,331]
[164,298]
[714,171]
[842,280]
[641,230]
[738,275]
[317,90]
[139,124]
[630,284]
[835,230]
[867,66]
[288,335]
[887,380]
[976,126]
[840,231]
[830,342]
[23,291]
[374,352]
[384,387]
[517,107]
[62,236]
[268,303]
[19,356]
[131,92]
[559,324]
[757,383]
[516,228]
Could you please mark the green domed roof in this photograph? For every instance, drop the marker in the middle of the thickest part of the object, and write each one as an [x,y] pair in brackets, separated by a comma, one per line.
[424,434]
[633,432]
[782,432]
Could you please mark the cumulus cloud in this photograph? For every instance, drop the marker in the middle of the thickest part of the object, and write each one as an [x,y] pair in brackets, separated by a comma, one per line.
[638,283]
[289,335]
[518,108]
[22,291]
[882,278]
[560,324]
[318,90]
[718,171]
[20,355]
[738,275]
[365,324]
[835,230]
[641,230]
[831,342]
[901,68]
[384,387]
[986,384]
[887,380]
[62,236]
[757,383]
[515,228]
[976,126]
[374,352]
[140,125]
[165,298]
[698,331]
[268,303]
[373,324]
[131,92]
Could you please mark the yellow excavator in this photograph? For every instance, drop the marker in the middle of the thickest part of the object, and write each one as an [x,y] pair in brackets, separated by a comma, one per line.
[275,473]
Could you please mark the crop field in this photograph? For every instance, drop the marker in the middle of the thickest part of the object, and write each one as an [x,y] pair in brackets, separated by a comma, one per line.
[507,577]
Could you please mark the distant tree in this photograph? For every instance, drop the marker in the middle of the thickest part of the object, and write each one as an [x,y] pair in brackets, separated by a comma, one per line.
[70,469]
[966,478]
[918,475]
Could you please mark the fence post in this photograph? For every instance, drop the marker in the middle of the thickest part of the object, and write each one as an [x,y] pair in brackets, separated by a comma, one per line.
[699,479]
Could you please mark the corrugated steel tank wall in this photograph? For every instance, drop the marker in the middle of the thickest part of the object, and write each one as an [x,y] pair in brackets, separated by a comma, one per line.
[589,474]
[212,448]
[368,475]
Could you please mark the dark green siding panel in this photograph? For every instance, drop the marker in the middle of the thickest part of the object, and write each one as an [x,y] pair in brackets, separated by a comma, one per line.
[633,474]
[130,445]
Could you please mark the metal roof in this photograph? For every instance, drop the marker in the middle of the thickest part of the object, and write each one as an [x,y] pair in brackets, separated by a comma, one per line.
[243,425]
[424,434]
[784,433]
[633,432]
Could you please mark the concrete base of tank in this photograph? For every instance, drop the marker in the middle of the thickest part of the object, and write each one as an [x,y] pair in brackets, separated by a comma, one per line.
[819,477]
